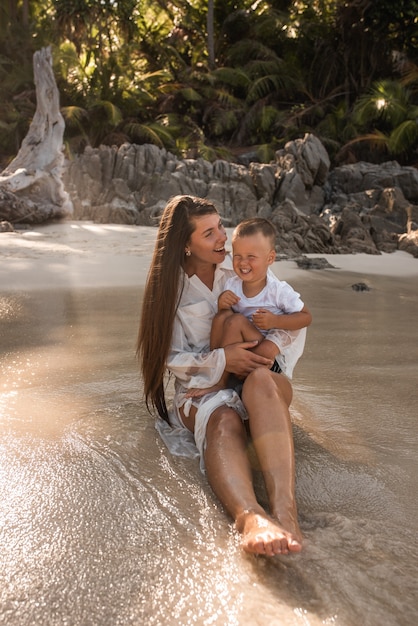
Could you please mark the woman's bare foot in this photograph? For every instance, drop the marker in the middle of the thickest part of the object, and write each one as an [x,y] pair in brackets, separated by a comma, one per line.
[263,535]
[288,520]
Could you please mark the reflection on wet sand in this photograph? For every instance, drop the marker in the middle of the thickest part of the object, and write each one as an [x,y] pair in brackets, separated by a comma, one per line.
[100,525]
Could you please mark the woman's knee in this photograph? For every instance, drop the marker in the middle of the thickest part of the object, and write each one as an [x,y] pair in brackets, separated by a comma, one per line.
[265,383]
[261,376]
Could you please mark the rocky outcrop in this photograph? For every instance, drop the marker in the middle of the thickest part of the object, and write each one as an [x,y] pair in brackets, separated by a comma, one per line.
[373,208]
[354,208]
[133,183]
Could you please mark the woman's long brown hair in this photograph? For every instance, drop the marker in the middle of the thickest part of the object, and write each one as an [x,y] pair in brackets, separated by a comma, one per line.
[162,293]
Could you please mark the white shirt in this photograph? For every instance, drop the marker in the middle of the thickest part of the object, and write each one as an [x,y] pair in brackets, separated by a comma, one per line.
[190,359]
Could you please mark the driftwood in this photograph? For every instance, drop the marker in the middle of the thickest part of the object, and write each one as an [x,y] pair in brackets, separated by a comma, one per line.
[31,187]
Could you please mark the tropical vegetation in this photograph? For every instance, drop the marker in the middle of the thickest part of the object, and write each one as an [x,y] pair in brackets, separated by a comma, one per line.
[218,78]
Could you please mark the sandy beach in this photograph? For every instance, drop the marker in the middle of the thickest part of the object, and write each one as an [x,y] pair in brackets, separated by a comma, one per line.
[83,254]
[100,524]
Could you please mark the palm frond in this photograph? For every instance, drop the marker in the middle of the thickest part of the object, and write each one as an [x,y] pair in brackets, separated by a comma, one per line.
[227,99]
[268,117]
[247,50]
[221,121]
[403,137]
[190,94]
[376,141]
[112,113]
[74,116]
[147,133]
[410,74]
[386,100]
[263,67]
[235,77]
[264,87]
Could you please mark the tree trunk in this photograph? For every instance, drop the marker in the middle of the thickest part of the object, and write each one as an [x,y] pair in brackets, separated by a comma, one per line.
[31,188]
[210,35]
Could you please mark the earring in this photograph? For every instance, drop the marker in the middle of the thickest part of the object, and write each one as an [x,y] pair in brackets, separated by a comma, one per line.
[188,253]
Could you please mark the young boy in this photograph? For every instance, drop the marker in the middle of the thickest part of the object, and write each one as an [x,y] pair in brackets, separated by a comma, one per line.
[255,305]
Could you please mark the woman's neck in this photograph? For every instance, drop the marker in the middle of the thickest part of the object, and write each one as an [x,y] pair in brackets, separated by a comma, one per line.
[204,271]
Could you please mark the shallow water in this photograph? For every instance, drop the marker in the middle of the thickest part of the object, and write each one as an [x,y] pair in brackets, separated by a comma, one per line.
[100,525]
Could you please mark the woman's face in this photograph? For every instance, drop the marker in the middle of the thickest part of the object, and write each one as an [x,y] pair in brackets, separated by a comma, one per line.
[207,241]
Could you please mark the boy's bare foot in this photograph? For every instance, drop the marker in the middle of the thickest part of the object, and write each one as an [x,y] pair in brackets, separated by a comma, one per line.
[263,535]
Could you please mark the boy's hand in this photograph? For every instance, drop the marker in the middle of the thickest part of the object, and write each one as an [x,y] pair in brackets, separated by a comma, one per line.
[265,320]
[227,299]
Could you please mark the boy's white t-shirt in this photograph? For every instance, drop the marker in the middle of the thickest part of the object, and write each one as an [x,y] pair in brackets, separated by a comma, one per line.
[279,298]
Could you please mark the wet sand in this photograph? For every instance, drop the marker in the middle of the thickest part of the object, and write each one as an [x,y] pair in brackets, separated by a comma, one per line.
[100,525]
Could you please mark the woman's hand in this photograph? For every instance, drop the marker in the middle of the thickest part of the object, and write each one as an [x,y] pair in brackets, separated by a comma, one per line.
[241,361]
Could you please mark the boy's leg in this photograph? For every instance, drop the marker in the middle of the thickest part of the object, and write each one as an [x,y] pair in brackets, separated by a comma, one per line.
[217,330]
[238,328]
[228,328]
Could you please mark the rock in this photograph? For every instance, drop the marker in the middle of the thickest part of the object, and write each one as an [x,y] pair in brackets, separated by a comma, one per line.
[310,160]
[304,165]
[408,242]
[6,227]
[353,233]
[318,263]
[298,233]
[358,177]
[360,287]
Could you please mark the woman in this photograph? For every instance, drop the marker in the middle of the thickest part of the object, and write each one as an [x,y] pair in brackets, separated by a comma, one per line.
[187,273]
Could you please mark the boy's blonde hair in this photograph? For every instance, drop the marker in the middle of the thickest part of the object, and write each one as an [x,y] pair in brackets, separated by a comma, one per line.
[254,225]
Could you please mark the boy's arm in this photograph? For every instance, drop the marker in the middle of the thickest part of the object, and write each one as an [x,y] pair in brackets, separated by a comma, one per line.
[265,320]
[226,300]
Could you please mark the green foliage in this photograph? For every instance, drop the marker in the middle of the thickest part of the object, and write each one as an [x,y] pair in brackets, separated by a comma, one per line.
[386,102]
[404,137]
[387,108]
[140,71]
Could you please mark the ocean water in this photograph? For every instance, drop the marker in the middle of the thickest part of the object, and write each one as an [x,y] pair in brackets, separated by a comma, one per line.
[99,525]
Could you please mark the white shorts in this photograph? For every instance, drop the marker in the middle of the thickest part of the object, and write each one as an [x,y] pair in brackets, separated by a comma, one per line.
[205,407]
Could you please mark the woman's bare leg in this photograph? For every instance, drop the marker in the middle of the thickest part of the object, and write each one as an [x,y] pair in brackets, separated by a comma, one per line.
[230,476]
[267,398]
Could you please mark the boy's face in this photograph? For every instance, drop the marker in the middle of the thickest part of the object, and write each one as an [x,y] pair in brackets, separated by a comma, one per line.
[251,257]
